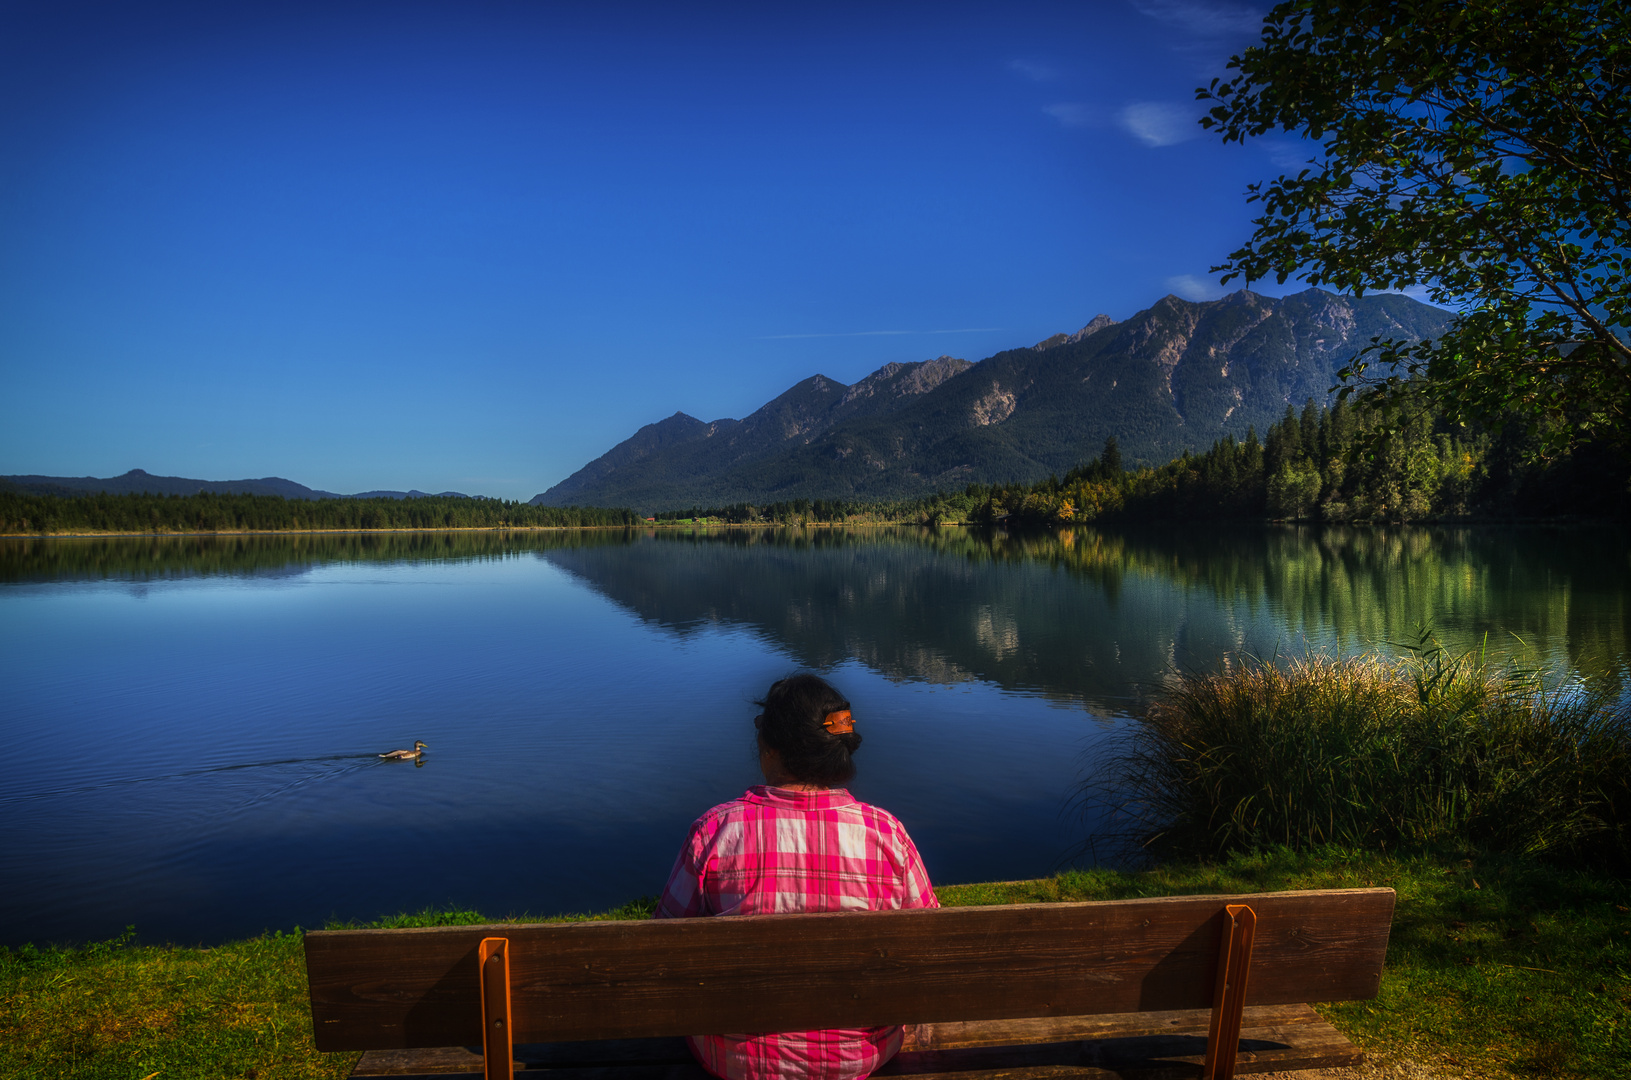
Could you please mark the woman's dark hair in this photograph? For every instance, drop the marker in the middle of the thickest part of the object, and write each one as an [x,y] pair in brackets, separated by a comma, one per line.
[791,724]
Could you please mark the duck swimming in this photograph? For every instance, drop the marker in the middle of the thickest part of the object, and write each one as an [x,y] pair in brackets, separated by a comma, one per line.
[405,755]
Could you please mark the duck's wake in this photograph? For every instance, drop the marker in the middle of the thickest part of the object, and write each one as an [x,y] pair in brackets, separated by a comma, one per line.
[349,763]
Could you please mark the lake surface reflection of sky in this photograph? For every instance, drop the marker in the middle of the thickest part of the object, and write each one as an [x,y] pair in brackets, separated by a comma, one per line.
[191,725]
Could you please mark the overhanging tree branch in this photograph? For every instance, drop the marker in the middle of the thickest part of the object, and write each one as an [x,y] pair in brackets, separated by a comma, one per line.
[1479,148]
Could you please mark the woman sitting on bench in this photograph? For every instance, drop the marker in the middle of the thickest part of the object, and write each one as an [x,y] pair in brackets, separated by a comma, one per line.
[799,842]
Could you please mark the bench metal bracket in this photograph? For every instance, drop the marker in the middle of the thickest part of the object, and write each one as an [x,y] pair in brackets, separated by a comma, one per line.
[1234,961]
[498,1051]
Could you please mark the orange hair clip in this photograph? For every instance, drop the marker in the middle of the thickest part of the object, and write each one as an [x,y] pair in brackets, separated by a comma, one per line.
[840,722]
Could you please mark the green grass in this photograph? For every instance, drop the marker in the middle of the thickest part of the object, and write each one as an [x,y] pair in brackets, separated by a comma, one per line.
[123,1011]
[127,1011]
[1498,966]
[1431,751]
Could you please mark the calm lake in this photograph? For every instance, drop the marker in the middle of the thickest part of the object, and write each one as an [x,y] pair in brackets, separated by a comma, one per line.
[191,725]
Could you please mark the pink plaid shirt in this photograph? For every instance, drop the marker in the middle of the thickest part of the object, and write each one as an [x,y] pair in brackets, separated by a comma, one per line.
[775,850]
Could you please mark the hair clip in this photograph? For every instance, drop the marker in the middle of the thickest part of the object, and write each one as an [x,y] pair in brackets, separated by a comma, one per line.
[840,722]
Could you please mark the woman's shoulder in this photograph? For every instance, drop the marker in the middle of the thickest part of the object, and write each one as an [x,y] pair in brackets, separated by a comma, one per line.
[877,817]
[727,809]
[751,803]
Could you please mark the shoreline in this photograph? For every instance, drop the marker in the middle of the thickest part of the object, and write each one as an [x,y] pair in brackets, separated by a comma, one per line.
[648,526]
[302,532]
[643,527]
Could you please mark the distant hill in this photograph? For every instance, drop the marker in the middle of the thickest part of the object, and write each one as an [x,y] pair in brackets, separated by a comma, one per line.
[1177,376]
[684,454]
[137,481]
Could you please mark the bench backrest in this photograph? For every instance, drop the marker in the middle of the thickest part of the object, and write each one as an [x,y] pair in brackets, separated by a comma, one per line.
[389,989]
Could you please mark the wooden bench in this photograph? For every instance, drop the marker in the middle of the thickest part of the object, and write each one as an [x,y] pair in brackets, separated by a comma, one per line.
[1170,987]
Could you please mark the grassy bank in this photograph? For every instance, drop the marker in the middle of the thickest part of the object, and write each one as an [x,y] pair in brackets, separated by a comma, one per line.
[1432,751]
[1497,967]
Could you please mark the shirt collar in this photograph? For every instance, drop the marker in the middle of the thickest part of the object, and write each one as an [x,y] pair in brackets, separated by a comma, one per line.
[826,799]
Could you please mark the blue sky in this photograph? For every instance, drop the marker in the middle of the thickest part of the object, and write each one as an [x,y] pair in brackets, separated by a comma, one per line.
[473,245]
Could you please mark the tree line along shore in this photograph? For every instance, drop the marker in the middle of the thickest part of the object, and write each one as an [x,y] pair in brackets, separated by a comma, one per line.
[1336,464]
[141,514]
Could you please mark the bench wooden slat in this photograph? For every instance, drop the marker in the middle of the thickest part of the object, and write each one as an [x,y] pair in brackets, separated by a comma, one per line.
[1273,1038]
[1145,1046]
[418,987]
[1026,1030]
[589,1054]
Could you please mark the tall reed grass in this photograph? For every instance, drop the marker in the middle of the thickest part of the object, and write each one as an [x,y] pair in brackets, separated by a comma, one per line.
[1429,751]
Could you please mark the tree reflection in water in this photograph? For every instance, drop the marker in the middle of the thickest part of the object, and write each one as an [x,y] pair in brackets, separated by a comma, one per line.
[1083,614]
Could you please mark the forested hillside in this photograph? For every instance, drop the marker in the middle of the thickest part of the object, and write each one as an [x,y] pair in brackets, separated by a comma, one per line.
[677,458]
[1317,464]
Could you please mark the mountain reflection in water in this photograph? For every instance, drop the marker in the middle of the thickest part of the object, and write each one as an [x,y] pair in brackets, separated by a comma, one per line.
[190,722]
[1085,614]
[1105,617]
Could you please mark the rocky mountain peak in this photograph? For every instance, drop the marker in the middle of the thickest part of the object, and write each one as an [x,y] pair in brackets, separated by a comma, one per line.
[1094,325]
[905,380]
[929,374]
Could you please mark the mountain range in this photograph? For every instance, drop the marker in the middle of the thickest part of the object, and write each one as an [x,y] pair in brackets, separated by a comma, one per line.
[1174,377]
[136,481]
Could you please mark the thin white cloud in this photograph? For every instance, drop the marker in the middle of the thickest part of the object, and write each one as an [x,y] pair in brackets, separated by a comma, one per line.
[1289,154]
[1035,70]
[1076,114]
[1205,20]
[1195,287]
[884,333]
[1156,123]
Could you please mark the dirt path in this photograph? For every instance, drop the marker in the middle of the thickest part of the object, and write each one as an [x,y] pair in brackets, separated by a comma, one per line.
[1374,1067]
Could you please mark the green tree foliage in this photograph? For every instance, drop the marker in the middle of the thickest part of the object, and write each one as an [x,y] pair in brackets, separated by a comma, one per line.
[1480,149]
[208,513]
[1336,464]
[936,509]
